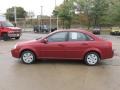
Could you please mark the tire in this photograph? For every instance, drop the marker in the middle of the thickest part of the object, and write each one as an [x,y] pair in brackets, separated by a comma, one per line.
[5,37]
[28,57]
[17,37]
[99,33]
[111,33]
[119,33]
[92,58]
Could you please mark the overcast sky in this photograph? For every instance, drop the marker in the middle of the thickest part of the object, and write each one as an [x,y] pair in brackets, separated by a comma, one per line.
[31,5]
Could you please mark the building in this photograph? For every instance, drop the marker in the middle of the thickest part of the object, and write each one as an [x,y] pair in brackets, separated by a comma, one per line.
[2,17]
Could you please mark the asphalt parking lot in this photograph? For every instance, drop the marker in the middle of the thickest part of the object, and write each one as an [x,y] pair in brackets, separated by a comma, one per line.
[57,75]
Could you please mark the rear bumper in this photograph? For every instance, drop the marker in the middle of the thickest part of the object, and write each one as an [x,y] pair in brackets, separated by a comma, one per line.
[15,53]
[112,53]
[108,55]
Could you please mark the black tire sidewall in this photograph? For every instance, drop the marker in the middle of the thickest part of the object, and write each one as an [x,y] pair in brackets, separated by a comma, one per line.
[28,52]
[85,59]
[5,37]
[17,37]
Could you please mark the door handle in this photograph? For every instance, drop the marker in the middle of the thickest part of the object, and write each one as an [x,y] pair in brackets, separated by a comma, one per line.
[61,45]
[84,44]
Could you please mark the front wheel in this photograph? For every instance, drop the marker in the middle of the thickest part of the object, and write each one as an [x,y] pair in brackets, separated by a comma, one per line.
[5,37]
[28,57]
[92,58]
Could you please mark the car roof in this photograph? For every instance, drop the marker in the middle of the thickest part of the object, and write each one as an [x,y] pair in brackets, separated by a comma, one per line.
[77,30]
[74,30]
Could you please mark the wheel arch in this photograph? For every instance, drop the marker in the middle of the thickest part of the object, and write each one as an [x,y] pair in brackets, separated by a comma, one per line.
[28,50]
[98,52]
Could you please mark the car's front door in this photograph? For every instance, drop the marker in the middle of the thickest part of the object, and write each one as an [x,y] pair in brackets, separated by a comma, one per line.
[55,46]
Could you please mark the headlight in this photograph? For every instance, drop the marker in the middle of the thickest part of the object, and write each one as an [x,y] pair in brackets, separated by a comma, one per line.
[15,46]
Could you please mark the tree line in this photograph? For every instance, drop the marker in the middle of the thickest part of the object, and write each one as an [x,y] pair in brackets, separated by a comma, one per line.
[89,12]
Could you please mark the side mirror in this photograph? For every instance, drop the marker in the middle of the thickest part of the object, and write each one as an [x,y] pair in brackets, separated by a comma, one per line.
[44,41]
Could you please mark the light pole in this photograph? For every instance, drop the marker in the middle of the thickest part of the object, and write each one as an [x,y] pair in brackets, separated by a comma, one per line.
[15,16]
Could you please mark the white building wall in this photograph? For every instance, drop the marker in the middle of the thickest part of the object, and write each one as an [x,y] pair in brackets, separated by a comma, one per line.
[2,17]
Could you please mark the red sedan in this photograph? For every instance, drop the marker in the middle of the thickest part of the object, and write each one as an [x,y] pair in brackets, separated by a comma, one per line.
[65,44]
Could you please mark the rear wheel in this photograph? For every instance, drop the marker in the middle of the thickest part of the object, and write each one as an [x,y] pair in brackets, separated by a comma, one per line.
[28,57]
[92,58]
[5,37]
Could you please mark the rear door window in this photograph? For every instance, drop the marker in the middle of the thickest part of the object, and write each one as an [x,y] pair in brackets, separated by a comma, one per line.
[78,36]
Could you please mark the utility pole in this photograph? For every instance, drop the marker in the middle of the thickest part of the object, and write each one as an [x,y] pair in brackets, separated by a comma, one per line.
[15,16]
[41,14]
[50,24]
[55,3]
[57,16]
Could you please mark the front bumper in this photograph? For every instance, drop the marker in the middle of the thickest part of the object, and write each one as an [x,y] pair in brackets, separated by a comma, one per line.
[14,34]
[115,33]
[15,53]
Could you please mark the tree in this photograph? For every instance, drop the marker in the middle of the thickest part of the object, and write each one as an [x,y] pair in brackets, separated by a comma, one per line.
[98,10]
[114,12]
[20,13]
[64,12]
[93,9]
[94,12]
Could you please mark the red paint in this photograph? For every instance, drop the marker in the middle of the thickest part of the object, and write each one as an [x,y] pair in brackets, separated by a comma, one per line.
[11,31]
[66,49]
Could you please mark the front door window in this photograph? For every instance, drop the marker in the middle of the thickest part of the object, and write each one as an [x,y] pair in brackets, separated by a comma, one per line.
[58,37]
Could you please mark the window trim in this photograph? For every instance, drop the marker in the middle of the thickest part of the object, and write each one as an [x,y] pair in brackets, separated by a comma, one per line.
[66,37]
[86,35]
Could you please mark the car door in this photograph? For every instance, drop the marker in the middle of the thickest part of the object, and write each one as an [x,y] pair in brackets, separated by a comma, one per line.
[55,46]
[78,42]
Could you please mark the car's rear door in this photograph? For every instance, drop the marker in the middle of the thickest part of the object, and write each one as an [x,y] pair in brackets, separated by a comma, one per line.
[78,42]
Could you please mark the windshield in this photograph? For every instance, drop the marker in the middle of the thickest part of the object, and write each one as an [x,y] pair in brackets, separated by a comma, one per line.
[7,24]
[38,38]
[41,37]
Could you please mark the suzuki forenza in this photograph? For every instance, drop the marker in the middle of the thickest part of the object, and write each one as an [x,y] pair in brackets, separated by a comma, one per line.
[65,44]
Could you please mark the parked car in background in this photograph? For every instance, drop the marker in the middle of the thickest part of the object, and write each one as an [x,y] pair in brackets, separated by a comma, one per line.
[96,30]
[8,30]
[43,28]
[115,31]
[65,44]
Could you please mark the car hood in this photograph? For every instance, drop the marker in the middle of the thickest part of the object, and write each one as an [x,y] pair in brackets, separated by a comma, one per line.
[31,42]
[14,28]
